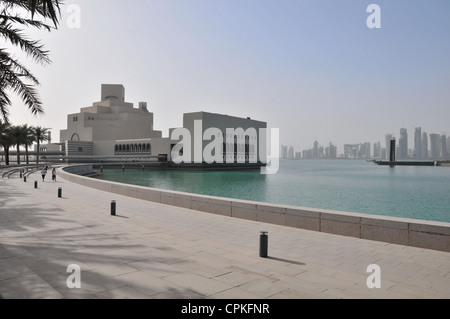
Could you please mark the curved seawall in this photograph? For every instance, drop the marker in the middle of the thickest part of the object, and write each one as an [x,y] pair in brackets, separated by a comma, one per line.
[402,231]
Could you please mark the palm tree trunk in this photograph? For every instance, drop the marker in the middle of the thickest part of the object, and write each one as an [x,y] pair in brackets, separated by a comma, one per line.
[37,151]
[6,148]
[18,154]
[26,154]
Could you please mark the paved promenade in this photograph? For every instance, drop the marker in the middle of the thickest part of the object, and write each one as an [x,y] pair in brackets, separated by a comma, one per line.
[150,250]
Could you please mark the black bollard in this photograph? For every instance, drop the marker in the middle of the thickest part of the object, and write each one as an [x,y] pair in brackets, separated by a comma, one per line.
[59,192]
[25,179]
[35,184]
[113,208]
[263,244]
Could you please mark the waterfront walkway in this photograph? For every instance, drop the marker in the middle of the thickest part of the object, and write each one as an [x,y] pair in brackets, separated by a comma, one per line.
[151,250]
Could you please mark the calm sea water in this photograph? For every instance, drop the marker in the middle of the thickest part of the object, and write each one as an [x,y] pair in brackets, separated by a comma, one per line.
[352,186]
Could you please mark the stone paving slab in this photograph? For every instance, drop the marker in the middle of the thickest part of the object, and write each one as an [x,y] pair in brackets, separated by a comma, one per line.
[156,251]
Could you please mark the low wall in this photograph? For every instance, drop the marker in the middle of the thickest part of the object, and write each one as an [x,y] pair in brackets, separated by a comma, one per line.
[402,231]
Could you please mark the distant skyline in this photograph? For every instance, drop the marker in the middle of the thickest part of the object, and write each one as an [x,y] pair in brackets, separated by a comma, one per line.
[382,139]
[311,68]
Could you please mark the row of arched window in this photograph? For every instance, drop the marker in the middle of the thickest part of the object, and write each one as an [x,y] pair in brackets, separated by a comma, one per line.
[146,148]
[137,148]
[238,148]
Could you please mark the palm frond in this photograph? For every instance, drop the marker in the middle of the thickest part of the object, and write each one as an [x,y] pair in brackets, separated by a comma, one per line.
[11,78]
[32,48]
[50,9]
[41,134]
[29,96]
[8,66]
[5,103]
[26,22]
[12,73]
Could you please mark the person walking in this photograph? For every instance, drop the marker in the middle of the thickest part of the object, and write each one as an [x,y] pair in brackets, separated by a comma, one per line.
[54,175]
[44,172]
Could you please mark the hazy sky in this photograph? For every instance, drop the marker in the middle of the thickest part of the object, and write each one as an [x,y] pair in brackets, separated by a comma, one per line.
[311,68]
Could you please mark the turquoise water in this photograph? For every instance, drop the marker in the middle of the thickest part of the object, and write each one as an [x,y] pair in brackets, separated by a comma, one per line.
[352,186]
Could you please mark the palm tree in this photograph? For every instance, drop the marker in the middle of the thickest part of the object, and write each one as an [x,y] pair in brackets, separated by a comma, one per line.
[5,139]
[28,139]
[14,76]
[40,135]
[18,136]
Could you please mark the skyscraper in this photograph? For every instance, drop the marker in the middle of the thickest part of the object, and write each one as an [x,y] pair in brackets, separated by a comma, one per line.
[316,150]
[388,145]
[417,143]
[403,144]
[284,151]
[434,149]
[291,153]
[443,147]
[377,150]
[383,153]
[365,150]
[424,146]
[331,152]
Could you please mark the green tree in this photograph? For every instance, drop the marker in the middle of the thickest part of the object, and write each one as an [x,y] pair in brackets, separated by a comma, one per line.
[18,136]
[14,76]
[5,139]
[40,135]
[28,140]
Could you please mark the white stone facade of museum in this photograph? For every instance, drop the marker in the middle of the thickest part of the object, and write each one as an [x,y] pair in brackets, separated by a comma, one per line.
[114,128]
